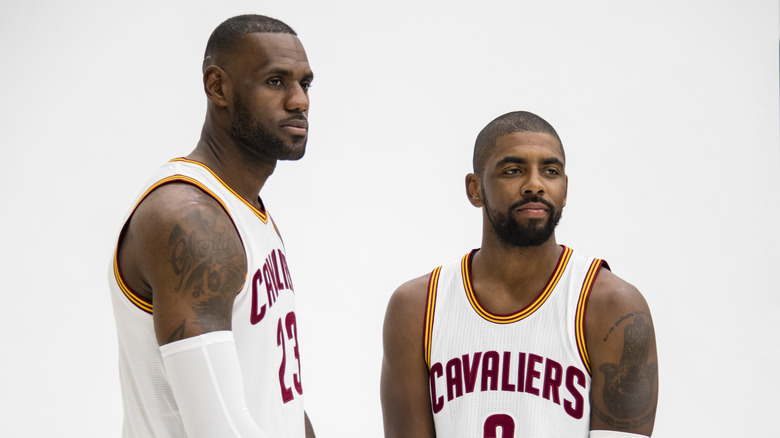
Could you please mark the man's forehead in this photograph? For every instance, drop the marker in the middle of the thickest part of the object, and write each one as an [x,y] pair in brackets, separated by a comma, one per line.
[275,51]
[527,140]
[274,43]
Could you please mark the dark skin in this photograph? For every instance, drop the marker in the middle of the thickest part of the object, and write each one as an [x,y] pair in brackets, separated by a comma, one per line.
[180,248]
[505,278]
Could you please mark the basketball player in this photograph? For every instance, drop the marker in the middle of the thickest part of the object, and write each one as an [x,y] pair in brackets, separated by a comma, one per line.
[201,288]
[523,337]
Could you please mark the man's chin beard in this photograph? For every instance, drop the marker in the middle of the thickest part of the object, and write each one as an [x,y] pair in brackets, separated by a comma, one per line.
[258,142]
[265,146]
[292,153]
[523,238]
[511,234]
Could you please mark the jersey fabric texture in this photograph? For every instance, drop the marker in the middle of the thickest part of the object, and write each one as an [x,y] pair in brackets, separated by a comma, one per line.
[264,325]
[522,375]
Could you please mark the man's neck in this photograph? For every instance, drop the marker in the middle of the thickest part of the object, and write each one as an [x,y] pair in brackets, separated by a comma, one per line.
[506,278]
[245,175]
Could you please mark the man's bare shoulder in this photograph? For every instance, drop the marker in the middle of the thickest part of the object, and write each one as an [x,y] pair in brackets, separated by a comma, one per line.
[621,347]
[173,227]
[405,315]
[404,383]
[171,201]
[409,299]
[612,294]
[168,207]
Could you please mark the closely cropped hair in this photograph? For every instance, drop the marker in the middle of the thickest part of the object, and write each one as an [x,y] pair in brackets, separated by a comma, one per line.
[227,36]
[517,121]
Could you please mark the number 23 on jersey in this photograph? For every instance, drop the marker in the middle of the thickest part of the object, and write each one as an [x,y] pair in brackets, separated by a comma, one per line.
[287,330]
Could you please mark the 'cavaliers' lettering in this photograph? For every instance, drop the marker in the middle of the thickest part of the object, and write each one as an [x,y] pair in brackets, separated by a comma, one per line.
[536,375]
[276,277]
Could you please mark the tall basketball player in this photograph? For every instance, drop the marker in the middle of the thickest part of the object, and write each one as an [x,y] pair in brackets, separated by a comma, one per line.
[201,288]
[523,337]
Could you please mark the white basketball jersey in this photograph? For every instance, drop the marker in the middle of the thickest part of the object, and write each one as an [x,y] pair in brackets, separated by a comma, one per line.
[522,375]
[264,326]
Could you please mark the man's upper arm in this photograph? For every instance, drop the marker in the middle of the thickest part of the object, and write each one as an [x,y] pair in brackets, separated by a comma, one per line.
[183,249]
[623,359]
[405,390]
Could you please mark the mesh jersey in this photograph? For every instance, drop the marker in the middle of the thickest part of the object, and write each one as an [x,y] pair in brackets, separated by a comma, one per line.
[264,326]
[522,375]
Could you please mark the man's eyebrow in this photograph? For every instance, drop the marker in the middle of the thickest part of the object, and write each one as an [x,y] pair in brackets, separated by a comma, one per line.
[281,71]
[520,160]
[552,160]
[511,160]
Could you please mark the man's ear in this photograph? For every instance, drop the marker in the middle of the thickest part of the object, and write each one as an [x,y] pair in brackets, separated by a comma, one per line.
[474,190]
[217,85]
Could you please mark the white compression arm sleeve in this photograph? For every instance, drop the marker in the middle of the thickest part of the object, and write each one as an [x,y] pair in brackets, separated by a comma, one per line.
[614,434]
[205,376]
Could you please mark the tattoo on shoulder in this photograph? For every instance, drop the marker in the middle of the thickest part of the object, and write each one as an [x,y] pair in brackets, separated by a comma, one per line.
[629,385]
[209,265]
[203,257]
[620,321]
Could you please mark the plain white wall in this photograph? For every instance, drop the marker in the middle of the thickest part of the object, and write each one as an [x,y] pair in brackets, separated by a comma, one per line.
[668,111]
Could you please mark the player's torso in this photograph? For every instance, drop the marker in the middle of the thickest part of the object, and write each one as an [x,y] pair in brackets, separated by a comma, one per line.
[513,376]
[264,323]
[265,328]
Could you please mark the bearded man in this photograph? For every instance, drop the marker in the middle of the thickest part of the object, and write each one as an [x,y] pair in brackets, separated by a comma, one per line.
[522,337]
[202,293]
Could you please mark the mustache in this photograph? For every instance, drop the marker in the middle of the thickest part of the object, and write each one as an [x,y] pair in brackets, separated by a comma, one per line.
[530,199]
[300,118]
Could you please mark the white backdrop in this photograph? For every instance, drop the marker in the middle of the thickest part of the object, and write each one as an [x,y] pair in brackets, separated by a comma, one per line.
[668,111]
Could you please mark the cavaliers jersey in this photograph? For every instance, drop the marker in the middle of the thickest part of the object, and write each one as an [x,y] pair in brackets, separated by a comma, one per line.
[264,325]
[521,375]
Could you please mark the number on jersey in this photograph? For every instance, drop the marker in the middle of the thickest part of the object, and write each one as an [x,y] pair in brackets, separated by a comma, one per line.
[499,422]
[292,335]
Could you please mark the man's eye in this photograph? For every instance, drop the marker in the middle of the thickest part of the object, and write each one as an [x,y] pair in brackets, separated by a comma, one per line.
[512,171]
[305,86]
[275,82]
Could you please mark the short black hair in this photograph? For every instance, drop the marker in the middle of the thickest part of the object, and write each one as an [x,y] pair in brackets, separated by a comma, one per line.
[516,121]
[227,36]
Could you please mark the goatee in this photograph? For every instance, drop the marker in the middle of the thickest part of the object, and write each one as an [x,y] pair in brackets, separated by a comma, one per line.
[512,233]
[257,139]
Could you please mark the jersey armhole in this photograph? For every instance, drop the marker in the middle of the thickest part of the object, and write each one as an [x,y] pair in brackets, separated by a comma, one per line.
[582,303]
[430,309]
[137,300]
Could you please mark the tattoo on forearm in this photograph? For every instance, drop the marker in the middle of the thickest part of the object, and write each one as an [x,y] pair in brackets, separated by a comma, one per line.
[628,387]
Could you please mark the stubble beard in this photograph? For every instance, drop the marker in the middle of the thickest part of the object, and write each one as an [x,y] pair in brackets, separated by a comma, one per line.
[256,139]
[511,233]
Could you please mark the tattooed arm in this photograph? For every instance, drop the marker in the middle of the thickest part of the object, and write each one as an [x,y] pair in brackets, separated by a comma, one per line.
[182,251]
[624,363]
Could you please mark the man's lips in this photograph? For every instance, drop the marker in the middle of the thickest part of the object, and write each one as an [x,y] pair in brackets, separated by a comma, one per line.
[532,206]
[532,209]
[296,126]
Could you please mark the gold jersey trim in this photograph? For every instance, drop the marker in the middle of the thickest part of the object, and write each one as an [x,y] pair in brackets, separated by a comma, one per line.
[260,214]
[523,313]
[430,309]
[139,301]
[579,326]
